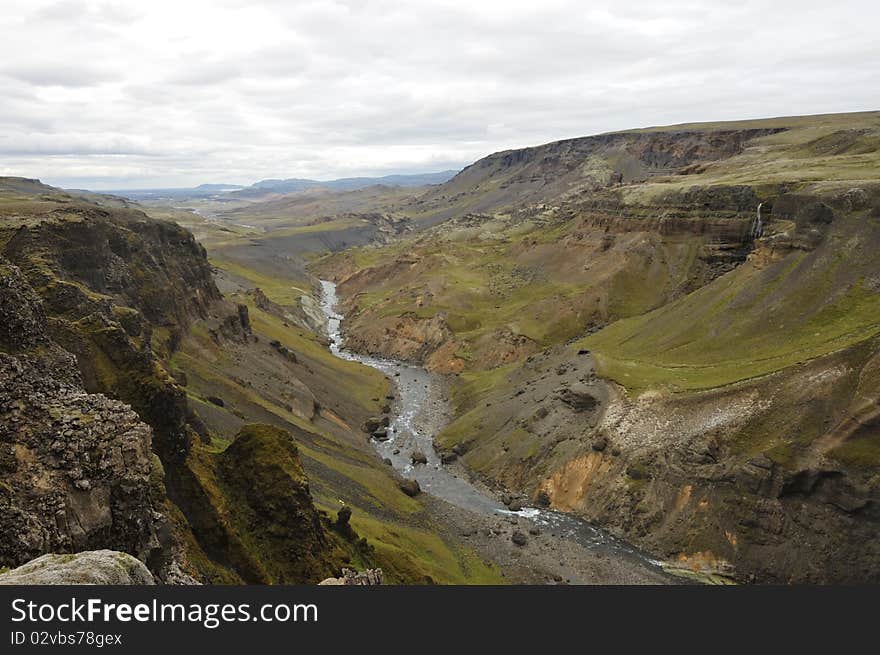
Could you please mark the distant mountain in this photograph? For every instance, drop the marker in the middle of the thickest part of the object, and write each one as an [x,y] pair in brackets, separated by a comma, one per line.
[290,185]
[294,185]
[201,191]
[218,188]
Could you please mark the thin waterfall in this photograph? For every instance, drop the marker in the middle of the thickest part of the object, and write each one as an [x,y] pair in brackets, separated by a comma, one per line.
[757,230]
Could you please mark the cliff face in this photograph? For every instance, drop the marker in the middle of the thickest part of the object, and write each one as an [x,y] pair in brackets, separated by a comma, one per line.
[486,290]
[76,466]
[98,446]
[576,167]
[119,291]
[253,514]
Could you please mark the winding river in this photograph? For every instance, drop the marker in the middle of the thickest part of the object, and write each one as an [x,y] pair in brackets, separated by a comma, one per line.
[419,401]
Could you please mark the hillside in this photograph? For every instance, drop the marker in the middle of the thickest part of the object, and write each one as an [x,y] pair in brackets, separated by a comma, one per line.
[672,332]
[720,284]
[145,412]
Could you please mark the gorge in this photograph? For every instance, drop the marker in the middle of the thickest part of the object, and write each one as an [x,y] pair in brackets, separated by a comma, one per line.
[420,409]
[656,341]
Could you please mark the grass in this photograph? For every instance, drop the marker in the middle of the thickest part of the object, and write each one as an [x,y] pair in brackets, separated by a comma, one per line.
[410,553]
[358,382]
[862,451]
[748,323]
[284,291]
[794,157]
[339,463]
[548,284]
[324,226]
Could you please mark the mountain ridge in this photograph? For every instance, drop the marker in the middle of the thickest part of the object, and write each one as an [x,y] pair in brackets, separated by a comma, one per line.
[280,186]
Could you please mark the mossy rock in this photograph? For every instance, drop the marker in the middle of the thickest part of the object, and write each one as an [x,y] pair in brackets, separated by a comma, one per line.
[252,510]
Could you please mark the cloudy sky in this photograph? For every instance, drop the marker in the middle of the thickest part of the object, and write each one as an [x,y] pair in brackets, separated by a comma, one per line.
[128,94]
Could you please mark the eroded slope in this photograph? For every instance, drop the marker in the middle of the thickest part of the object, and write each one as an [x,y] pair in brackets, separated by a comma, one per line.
[650,350]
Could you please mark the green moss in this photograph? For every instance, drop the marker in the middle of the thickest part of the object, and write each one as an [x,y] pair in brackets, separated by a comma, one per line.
[253,511]
[157,477]
[196,562]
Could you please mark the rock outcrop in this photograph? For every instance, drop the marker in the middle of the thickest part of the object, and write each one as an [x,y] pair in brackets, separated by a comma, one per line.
[77,467]
[252,511]
[118,290]
[96,441]
[77,470]
[350,577]
[97,567]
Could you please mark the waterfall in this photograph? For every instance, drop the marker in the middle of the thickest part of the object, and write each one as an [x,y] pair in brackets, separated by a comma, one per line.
[757,230]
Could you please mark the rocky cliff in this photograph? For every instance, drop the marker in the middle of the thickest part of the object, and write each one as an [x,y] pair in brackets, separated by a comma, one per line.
[78,470]
[579,167]
[98,445]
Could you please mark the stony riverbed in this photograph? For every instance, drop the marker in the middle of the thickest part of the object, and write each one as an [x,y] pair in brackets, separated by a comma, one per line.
[531,545]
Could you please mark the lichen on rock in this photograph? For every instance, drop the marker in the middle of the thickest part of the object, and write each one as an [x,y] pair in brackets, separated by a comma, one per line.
[98,567]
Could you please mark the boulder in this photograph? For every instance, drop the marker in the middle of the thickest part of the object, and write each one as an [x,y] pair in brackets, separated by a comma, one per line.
[100,567]
[374,423]
[519,538]
[578,398]
[418,457]
[343,516]
[410,487]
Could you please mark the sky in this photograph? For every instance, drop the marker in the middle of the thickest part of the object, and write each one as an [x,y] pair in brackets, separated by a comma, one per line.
[135,94]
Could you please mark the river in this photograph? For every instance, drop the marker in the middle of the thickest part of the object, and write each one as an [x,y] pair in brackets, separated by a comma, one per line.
[420,408]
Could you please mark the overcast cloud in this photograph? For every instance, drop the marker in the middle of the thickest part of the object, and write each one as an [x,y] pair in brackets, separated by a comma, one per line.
[175,93]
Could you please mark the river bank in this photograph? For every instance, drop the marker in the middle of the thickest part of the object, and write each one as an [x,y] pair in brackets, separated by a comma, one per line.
[531,545]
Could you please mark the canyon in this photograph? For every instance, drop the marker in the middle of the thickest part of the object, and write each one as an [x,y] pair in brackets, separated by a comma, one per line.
[668,336]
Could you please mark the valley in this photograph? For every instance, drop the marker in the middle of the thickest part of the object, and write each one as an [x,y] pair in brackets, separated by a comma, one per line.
[562,547]
[613,359]
[728,367]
